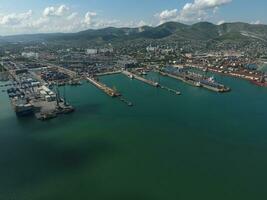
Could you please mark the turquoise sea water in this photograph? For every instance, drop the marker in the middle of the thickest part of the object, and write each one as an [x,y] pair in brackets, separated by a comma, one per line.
[200,145]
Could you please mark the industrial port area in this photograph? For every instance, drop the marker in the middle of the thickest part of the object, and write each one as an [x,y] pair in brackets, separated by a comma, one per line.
[35,91]
[37,77]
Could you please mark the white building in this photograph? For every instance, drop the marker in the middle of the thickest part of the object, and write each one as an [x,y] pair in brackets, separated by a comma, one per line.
[151,49]
[106,50]
[30,55]
[91,51]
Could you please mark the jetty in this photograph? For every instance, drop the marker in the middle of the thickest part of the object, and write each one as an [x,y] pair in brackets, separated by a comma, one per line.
[173,91]
[108,73]
[137,77]
[197,80]
[149,82]
[103,87]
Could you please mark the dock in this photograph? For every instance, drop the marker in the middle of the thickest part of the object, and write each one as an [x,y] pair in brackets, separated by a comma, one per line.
[176,92]
[103,87]
[172,76]
[70,73]
[149,82]
[197,83]
[128,103]
[134,76]
[108,73]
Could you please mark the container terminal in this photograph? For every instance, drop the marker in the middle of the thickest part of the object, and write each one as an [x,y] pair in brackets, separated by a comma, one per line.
[194,79]
[29,96]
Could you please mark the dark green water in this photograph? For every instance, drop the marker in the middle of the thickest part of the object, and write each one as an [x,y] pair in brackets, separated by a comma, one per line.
[200,145]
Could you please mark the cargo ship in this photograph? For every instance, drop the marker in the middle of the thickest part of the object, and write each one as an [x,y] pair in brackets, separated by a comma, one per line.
[22,107]
[261,82]
[211,84]
[195,79]
[19,103]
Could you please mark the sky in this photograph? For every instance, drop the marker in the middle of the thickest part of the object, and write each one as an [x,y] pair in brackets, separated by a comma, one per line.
[39,16]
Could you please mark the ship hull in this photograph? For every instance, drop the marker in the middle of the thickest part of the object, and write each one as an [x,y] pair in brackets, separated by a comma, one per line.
[24,113]
[259,83]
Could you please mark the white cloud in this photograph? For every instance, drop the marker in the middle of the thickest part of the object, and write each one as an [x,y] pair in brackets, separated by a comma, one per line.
[15,18]
[72,16]
[191,12]
[256,22]
[141,23]
[168,14]
[88,18]
[57,18]
[55,11]
[220,22]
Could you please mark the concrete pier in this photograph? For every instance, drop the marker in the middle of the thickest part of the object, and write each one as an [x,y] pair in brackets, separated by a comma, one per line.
[196,83]
[108,73]
[134,76]
[170,90]
[103,87]
[154,84]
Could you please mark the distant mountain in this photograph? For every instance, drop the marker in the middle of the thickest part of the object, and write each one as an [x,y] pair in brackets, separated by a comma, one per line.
[203,31]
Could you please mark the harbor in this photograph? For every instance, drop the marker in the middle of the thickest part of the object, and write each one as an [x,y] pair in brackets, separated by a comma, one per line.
[36,92]
[104,136]
[120,138]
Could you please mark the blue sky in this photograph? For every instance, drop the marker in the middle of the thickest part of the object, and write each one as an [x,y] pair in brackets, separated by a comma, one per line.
[34,16]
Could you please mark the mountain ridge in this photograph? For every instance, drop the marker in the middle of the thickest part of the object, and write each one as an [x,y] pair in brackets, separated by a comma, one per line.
[198,31]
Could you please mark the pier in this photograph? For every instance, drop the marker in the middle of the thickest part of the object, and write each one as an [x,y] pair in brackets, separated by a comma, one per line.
[109,91]
[198,82]
[128,103]
[103,87]
[176,92]
[108,73]
[154,84]
[134,76]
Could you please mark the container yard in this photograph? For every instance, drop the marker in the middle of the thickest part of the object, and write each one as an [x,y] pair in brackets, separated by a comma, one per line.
[30,95]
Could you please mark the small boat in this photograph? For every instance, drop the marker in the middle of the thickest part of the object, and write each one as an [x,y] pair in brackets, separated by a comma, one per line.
[143,73]
[131,76]
[198,84]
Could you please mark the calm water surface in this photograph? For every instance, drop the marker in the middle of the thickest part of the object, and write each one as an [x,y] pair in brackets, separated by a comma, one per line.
[200,145]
